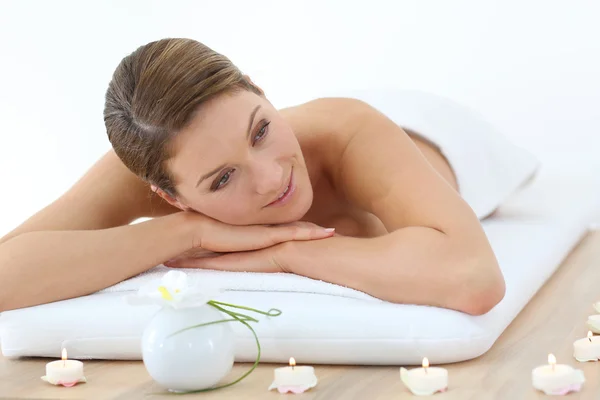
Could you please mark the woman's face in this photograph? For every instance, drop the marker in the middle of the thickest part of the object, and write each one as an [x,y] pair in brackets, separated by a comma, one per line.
[235,158]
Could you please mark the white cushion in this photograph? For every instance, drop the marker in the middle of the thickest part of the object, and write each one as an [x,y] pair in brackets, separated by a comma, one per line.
[531,234]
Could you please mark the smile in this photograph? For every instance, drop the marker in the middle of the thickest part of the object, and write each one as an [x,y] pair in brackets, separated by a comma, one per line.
[287,194]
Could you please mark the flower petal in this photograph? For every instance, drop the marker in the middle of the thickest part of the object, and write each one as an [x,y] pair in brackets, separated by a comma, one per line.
[174,289]
[175,280]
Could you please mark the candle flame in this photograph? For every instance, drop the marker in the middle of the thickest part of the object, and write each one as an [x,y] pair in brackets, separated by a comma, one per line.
[590,335]
[292,362]
[551,360]
[64,354]
[425,363]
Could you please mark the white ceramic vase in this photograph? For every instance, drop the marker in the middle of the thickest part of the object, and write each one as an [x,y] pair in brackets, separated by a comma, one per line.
[196,359]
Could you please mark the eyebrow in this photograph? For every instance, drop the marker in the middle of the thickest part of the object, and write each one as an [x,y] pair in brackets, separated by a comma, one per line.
[214,171]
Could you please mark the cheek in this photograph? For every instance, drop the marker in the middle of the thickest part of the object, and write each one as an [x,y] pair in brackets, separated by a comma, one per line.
[288,143]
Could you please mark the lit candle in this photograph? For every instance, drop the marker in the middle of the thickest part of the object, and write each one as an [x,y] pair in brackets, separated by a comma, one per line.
[587,349]
[65,372]
[295,379]
[593,323]
[425,381]
[557,379]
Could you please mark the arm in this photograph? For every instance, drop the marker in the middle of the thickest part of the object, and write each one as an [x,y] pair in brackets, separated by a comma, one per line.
[436,252]
[83,242]
[43,266]
[413,265]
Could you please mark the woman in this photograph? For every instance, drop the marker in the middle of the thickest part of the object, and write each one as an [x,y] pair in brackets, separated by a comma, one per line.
[229,182]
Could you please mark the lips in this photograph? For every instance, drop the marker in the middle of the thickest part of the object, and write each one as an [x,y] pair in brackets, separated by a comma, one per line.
[286,191]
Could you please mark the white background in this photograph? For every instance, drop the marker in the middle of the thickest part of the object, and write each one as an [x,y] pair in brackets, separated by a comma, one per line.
[532,68]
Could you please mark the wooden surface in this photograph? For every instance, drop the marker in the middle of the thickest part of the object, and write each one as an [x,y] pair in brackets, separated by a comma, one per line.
[549,323]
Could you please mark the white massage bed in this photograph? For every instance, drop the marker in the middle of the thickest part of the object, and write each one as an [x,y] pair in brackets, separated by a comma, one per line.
[531,234]
[536,226]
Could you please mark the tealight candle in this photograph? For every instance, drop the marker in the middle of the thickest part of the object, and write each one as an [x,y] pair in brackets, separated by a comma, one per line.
[587,349]
[593,323]
[425,381]
[295,379]
[66,372]
[557,379]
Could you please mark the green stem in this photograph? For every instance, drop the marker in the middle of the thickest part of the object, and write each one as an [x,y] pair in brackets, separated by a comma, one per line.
[233,313]
[273,312]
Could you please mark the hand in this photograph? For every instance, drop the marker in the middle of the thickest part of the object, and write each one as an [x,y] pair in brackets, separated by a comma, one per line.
[211,237]
[215,236]
[270,259]
[276,258]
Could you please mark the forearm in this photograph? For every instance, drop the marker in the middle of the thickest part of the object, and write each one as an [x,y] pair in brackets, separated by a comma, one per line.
[46,266]
[414,265]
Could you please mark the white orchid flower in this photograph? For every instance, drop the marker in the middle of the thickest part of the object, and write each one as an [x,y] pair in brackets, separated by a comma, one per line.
[175,290]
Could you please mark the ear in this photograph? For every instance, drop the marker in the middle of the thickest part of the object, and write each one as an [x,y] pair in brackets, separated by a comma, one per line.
[169,199]
[246,77]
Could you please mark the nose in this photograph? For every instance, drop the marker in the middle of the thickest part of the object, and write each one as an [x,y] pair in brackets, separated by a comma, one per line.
[268,177]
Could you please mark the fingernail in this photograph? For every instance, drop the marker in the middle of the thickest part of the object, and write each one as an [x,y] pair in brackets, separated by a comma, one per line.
[329,229]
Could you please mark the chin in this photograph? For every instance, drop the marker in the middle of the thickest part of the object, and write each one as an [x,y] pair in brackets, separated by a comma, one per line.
[292,213]
[298,210]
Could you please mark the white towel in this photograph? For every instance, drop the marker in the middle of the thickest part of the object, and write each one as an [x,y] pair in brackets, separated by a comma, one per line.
[488,167]
[247,281]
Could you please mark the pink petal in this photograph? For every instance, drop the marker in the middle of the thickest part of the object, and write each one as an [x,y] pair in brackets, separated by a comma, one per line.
[293,389]
[576,387]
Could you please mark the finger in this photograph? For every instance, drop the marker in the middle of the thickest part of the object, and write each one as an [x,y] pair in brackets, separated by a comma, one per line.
[251,261]
[183,258]
[295,232]
[174,262]
[256,237]
[227,238]
[307,232]
[187,263]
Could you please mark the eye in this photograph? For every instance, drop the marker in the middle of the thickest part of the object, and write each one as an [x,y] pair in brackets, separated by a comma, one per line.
[223,181]
[262,132]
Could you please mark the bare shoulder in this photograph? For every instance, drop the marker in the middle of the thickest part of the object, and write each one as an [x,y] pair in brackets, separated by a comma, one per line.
[377,166]
[324,127]
[107,195]
[327,115]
